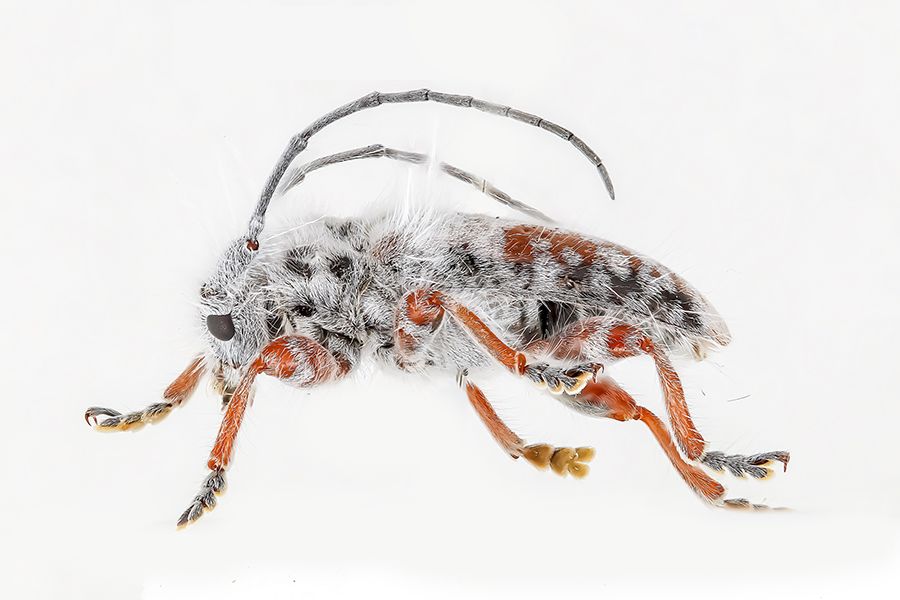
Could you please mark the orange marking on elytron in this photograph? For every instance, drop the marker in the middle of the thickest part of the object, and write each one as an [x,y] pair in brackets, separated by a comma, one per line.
[184,384]
[519,244]
[508,440]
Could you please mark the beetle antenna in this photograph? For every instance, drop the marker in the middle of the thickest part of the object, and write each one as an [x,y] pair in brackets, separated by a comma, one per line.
[297,175]
[299,142]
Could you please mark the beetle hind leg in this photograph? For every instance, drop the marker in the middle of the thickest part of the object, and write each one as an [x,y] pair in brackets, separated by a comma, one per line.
[757,466]
[690,440]
[604,398]
[600,338]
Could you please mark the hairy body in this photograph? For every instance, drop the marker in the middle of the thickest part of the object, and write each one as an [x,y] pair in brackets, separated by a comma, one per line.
[432,290]
[340,282]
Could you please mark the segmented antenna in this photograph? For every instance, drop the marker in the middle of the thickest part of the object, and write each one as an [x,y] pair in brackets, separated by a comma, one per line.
[299,142]
[297,175]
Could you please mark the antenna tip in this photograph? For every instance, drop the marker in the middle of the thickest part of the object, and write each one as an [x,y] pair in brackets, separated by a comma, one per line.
[607,181]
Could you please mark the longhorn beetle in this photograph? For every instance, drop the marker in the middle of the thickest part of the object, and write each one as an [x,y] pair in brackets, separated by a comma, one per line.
[454,292]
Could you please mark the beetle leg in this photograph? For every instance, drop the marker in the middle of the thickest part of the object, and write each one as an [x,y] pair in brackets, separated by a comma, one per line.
[561,460]
[690,440]
[422,309]
[604,398]
[294,359]
[177,392]
[598,338]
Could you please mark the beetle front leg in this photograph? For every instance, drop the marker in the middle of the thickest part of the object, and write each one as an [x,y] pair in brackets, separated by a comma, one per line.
[296,360]
[177,392]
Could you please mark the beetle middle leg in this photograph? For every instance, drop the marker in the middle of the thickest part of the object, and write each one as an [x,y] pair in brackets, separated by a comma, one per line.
[178,391]
[561,460]
[294,359]
[417,324]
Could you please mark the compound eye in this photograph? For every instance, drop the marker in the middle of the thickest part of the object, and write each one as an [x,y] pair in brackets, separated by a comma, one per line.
[221,326]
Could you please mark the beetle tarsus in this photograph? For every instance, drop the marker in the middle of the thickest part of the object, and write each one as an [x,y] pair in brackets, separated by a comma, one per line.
[205,500]
[121,422]
[561,460]
[97,411]
[739,465]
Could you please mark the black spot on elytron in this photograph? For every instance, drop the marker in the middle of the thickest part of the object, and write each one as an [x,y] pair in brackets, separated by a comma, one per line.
[623,287]
[304,310]
[461,261]
[467,260]
[524,275]
[679,300]
[340,266]
[575,277]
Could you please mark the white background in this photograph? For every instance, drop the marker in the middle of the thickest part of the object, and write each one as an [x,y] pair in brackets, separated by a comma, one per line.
[754,149]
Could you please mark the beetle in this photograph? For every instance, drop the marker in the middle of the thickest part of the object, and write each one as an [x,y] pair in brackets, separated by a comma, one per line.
[454,292]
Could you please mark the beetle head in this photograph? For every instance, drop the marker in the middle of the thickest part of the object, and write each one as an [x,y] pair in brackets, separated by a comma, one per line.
[231,306]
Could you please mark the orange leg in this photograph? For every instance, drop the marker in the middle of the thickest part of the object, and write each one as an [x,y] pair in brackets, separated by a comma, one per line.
[602,339]
[177,392]
[508,440]
[604,398]
[561,460]
[423,309]
[294,359]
